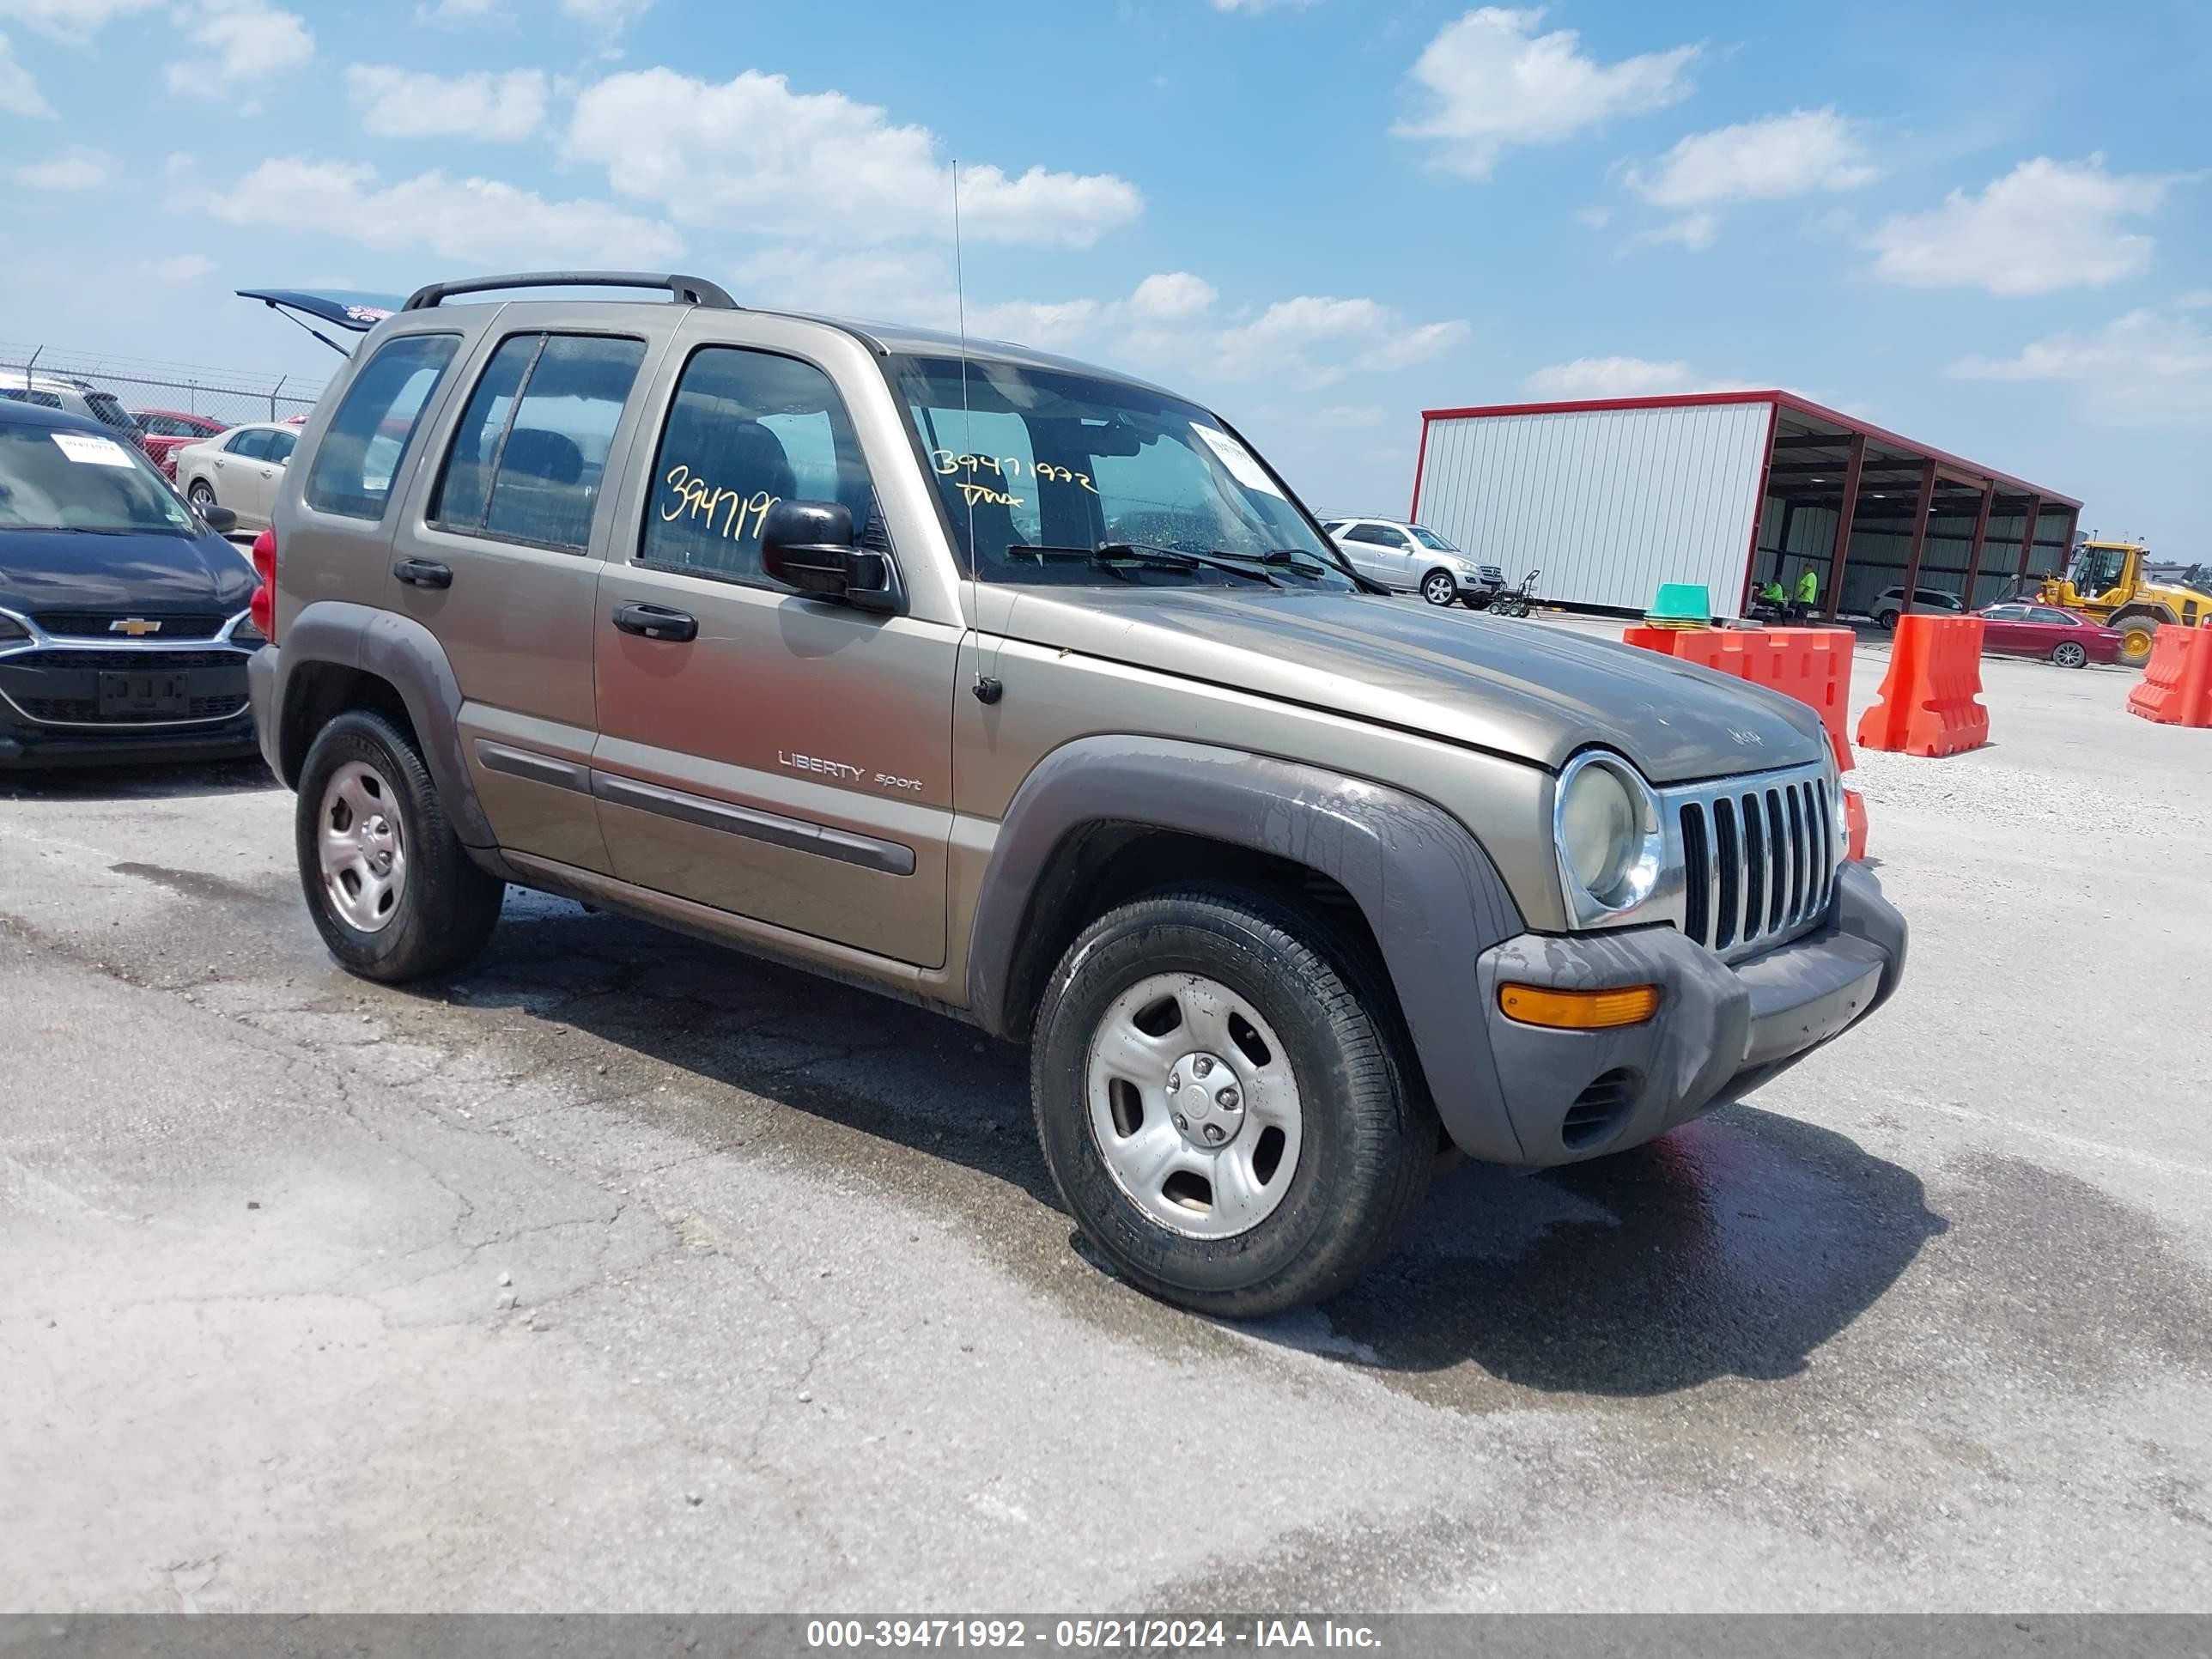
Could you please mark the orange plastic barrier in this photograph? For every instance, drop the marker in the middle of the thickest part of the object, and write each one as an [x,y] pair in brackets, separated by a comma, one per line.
[1855,819]
[2177,682]
[1928,703]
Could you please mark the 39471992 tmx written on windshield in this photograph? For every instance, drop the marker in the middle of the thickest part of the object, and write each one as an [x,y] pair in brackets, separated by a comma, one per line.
[1055,477]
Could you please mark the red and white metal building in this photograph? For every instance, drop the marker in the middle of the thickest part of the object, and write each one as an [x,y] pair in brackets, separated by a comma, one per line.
[1612,497]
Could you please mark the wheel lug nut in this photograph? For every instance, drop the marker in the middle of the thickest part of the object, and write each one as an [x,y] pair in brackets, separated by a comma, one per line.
[1174,1082]
[1181,1122]
[1213,1134]
[1227,1099]
[1201,1066]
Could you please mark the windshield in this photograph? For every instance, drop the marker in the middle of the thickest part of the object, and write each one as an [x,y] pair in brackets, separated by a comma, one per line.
[53,479]
[1033,458]
[1429,539]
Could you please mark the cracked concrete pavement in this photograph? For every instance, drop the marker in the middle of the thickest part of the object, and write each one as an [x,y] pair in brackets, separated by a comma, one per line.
[622,1273]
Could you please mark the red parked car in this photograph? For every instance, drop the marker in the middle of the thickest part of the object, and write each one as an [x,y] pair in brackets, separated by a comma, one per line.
[163,432]
[2043,630]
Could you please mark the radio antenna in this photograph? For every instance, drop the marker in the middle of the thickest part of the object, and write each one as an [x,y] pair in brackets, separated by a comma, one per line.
[987,688]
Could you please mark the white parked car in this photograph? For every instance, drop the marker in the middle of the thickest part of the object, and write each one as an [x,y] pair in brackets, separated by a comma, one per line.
[241,469]
[1889,604]
[1410,558]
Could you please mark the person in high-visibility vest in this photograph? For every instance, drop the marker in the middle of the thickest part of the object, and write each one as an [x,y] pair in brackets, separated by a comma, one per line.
[1809,590]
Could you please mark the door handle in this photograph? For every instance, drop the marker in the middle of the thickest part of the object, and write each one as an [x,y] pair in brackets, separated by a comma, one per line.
[655,622]
[423,573]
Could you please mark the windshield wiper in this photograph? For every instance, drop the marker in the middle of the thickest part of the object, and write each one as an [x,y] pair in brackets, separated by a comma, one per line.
[1104,556]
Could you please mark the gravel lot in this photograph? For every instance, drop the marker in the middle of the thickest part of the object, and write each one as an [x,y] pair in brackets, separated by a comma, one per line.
[624,1273]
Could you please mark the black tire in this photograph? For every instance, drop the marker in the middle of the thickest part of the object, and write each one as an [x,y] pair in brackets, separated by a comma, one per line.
[2069,654]
[1438,587]
[445,908]
[2137,626]
[1369,1141]
[1475,601]
[201,494]
[1887,620]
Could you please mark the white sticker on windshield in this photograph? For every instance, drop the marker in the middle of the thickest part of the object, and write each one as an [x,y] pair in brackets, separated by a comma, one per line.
[90,451]
[1239,459]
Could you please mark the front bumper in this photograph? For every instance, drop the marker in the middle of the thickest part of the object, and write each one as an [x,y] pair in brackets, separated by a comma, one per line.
[1721,1029]
[51,711]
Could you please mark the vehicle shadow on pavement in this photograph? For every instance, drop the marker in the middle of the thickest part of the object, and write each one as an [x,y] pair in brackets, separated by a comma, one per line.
[169,781]
[1733,1247]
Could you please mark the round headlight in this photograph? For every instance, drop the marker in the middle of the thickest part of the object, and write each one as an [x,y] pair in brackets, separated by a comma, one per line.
[1601,832]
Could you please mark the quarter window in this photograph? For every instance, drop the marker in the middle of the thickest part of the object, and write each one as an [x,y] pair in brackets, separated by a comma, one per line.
[368,440]
[530,450]
[747,429]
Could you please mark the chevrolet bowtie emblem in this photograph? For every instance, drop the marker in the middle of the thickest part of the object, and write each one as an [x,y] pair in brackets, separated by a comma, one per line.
[137,627]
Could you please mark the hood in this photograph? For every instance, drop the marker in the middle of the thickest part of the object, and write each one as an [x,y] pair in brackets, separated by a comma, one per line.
[149,575]
[1515,688]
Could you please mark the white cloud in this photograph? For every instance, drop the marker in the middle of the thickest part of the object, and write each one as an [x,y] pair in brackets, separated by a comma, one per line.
[1253,6]
[71,21]
[1693,230]
[1762,161]
[1173,296]
[78,169]
[751,154]
[2197,299]
[240,43]
[1313,340]
[398,103]
[19,92]
[612,15]
[1492,82]
[2044,226]
[2146,366]
[471,221]
[1618,377]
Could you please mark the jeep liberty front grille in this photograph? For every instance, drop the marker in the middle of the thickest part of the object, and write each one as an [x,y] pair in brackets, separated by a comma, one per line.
[1759,857]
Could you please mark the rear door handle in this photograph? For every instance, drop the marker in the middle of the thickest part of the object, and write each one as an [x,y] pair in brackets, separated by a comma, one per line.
[423,573]
[655,622]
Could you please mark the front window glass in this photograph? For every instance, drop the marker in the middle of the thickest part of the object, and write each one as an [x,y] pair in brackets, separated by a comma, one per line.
[1049,476]
[367,440]
[1434,542]
[65,480]
[747,429]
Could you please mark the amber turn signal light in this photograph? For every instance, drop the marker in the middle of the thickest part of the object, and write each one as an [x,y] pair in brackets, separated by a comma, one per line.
[1578,1011]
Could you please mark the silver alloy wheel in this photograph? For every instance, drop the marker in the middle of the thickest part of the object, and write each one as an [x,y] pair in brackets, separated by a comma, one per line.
[1194,1105]
[202,495]
[1439,589]
[2069,654]
[362,852]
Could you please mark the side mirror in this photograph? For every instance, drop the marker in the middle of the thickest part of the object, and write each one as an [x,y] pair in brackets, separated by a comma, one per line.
[808,545]
[220,519]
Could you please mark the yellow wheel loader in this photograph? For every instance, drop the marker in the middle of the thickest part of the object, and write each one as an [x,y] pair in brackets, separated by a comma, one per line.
[2105,582]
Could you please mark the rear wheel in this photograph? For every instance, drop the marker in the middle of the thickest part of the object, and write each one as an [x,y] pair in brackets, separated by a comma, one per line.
[1222,1113]
[392,892]
[2069,654]
[2138,633]
[1438,588]
[1888,619]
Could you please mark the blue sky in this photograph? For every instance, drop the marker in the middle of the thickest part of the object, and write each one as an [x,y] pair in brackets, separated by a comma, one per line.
[1989,226]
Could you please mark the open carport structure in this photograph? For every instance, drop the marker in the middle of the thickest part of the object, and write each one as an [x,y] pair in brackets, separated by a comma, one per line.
[1610,497]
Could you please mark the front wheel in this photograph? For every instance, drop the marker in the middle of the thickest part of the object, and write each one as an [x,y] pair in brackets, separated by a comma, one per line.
[1438,588]
[392,892]
[2138,635]
[2069,654]
[201,496]
[1222,1113]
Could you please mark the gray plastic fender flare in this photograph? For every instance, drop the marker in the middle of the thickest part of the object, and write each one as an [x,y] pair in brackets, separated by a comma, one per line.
[401,652]
[1430,893]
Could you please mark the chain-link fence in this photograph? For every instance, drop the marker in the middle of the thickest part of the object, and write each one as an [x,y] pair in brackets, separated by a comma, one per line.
[227,396]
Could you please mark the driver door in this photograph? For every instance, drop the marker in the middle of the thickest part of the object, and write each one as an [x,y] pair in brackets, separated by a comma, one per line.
[780,758]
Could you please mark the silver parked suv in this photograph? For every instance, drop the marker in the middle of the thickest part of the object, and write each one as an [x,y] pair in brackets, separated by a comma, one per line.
[1030,692]
[1412,558]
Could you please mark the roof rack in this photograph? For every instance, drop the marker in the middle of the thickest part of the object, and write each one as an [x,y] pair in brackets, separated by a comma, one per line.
[683,290]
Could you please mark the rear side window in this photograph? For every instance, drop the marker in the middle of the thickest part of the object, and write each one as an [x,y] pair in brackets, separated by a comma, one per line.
[253,444]
[281,446]
[747,429]
[367,439]
[1379,535]
[531,450]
